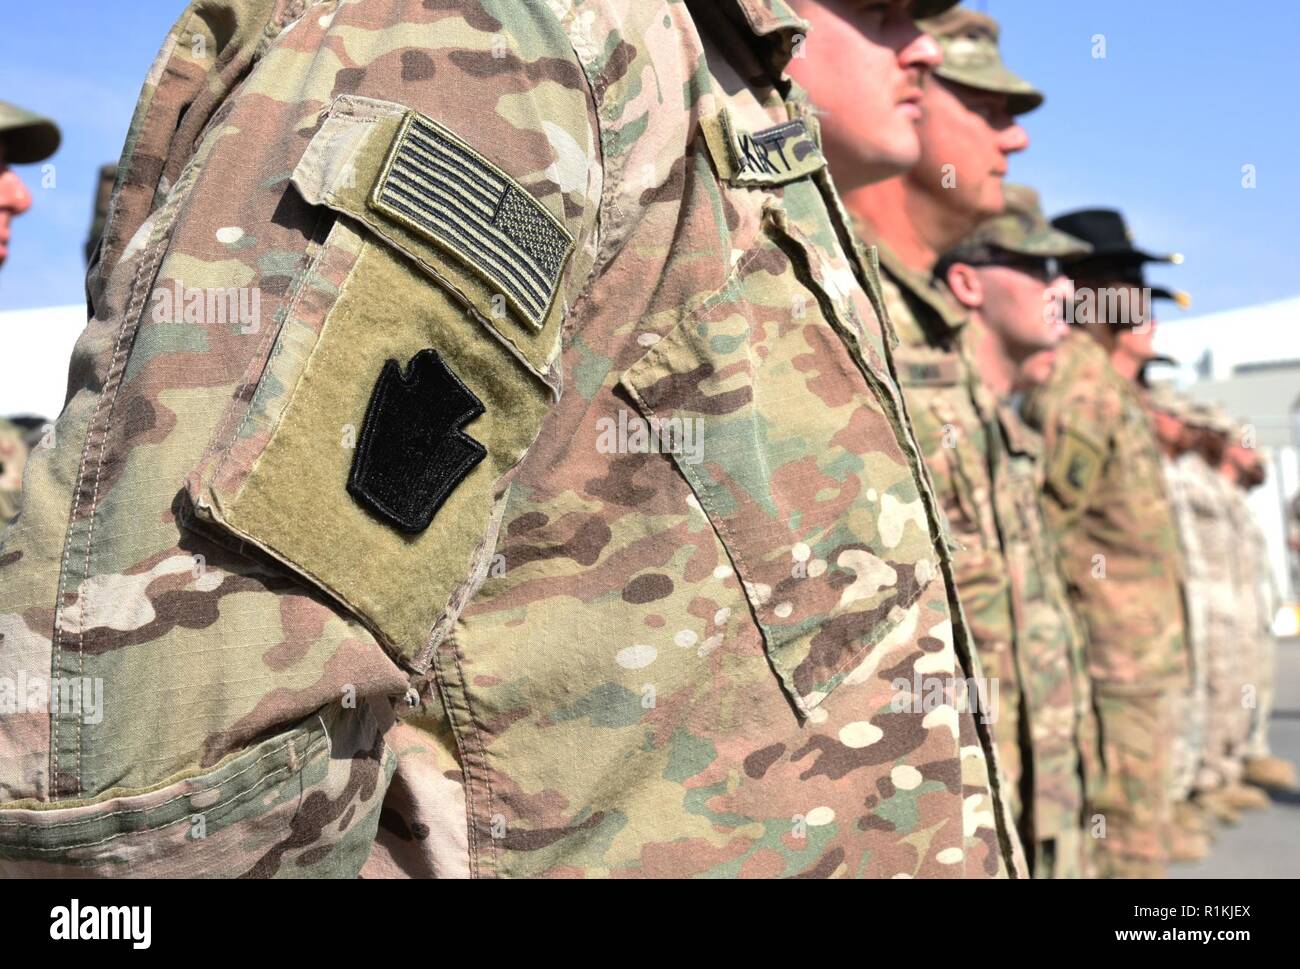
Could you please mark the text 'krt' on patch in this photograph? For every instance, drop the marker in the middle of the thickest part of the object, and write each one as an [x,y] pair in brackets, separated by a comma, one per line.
[412,452]
[443,190]
[773,156]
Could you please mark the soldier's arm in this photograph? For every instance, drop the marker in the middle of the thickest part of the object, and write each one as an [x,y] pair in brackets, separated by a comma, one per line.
[325,332]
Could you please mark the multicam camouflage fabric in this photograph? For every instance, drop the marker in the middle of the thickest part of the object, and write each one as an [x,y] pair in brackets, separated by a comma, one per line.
[1106,501]
[1058,728]
[13,458]
[1060,725]
[1022,230]
[1134,801]
[591,663]
[969,41]
[1220,760]
[1241,647]
[948,407]
[99,214]
[1259,587]
[1196,503]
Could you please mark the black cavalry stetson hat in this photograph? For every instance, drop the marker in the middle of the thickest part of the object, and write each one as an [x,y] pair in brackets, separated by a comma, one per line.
[1113,252]
[1110,237]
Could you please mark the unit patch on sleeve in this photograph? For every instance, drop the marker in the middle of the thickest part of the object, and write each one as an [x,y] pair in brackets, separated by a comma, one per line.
[411,452]
[444,191]
[1075,468]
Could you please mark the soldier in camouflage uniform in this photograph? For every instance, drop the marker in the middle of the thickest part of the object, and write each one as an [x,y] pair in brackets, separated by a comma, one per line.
[1249,652]
[13,458]
[1261,767]
[1194,501]
[1106,500]
[24,138]
[557,513]
[1230,622]
[1005,275]
[969,113]
[99,214]
[1206,530]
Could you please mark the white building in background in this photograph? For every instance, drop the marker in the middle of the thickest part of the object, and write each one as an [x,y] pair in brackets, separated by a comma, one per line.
[1248,361]
[35,346]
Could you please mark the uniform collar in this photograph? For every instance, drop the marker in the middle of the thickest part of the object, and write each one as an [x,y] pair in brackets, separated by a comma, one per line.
[931,292]
[1020,437]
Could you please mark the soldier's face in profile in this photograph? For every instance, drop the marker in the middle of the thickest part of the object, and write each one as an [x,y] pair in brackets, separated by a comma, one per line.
[865,65]
[1024,306]
[967,137]
[15,199]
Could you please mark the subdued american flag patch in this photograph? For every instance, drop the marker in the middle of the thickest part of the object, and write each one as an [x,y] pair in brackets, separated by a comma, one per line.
[443,190]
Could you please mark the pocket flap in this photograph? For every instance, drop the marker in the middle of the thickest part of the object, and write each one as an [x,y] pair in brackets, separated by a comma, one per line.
[797,465]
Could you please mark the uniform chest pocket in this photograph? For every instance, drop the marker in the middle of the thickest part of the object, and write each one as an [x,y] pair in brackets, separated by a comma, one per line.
[794,460]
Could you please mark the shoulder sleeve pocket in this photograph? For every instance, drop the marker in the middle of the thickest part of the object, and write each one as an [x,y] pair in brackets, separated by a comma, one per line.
[402,387]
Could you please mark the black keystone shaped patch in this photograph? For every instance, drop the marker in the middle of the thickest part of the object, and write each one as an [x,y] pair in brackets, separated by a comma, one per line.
[412,452]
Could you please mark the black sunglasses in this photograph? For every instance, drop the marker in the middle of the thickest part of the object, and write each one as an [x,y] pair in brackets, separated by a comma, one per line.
[1042,268]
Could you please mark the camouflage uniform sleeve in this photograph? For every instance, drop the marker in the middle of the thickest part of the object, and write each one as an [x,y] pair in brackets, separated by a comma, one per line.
[326,328]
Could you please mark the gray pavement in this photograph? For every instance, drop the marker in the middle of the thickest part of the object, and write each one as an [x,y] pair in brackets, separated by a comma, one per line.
[1266,844]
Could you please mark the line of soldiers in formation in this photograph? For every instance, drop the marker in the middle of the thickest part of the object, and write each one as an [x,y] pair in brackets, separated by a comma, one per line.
[1110,573]
[1114,576]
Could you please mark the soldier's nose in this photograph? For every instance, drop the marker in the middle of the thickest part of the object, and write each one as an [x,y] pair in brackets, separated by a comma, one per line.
[1013,139]
[14,196]
[922,53]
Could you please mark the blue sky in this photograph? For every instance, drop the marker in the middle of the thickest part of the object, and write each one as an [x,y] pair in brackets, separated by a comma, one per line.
[1189,91]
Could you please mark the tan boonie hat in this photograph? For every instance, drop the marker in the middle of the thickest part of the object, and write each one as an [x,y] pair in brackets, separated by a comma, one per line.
[27,137]
[969,41]
[1021,230]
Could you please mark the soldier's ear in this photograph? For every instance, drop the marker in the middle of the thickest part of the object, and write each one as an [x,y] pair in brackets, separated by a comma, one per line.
[966,285]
